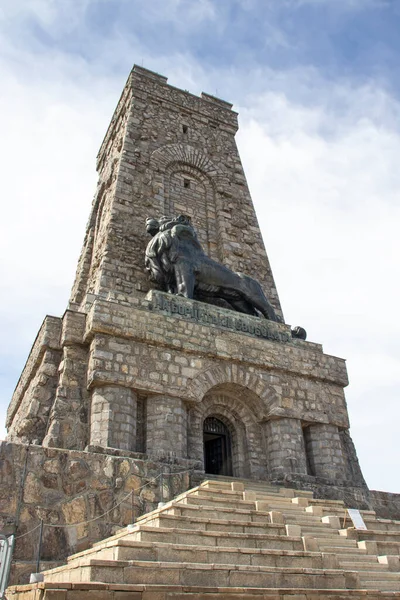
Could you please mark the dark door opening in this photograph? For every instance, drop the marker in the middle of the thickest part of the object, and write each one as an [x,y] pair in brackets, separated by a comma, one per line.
[217,447]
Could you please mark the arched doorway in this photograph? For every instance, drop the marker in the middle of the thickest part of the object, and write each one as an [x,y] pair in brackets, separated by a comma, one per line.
[217,447]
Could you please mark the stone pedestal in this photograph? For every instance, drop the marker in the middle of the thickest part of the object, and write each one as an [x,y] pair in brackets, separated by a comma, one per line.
[285,447]
[166,427]
[113,418]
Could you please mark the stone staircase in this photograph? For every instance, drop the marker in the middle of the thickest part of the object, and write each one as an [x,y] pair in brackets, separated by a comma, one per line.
[230,540]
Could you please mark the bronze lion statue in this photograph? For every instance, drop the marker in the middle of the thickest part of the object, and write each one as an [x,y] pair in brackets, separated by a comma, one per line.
[176,261]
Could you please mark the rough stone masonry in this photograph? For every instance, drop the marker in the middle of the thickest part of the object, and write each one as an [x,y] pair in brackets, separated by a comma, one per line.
[133,384]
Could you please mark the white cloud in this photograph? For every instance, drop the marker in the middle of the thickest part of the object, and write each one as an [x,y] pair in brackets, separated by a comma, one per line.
[341,5]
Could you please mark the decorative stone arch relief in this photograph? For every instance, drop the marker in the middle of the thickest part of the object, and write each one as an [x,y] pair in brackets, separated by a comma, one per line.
[263,396]
[238,407]
[182,153]
[186,181]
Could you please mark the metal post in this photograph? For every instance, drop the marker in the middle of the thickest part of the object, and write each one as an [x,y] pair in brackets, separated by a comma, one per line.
[40,546]
[133,505]
[21,488]
[170,482]
[162,484]
[6,552]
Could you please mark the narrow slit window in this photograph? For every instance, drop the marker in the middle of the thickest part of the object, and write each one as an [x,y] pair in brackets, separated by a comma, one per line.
[186,183]
[185,128]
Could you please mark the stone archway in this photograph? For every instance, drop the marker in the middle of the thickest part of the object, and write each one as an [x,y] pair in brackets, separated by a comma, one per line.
[260,393]
[236,407]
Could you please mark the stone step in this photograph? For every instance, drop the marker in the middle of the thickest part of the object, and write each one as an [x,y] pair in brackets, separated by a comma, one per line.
[291,492]
[371,534]
[328,544]
[167,552]
[266,497]
[341,511]
[303,519]
[210,494]
[382,525]
[286,497]
[171,573]
[388,548]
[355,556]
[242,514]
[327,502]
[382,586]
[251,484]
[204,492]
[289,509]
[387,576]
[231,514]
[83,591]
[216,501]
[226,480]
[208,524]
[343,550]
[353,565]
[223,509]
[319,531]
[270,492]
[203,539]
[218,538]
[338,508]
[293,512]
[220,512]
[380,581]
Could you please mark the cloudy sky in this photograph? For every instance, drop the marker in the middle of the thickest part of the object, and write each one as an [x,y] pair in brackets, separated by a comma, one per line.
[317,87]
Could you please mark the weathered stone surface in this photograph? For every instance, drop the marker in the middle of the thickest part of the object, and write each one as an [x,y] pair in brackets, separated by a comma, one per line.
[48,338]
[65,488]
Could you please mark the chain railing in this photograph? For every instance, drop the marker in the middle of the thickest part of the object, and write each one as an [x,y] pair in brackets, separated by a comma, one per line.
[168,482]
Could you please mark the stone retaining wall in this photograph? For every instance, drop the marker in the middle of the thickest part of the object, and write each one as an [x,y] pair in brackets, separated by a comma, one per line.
[64,488]
[386,504]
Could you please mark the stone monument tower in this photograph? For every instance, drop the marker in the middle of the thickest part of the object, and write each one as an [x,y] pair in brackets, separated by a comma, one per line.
[133,370]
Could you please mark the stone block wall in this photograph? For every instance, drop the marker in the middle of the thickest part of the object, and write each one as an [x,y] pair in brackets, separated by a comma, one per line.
[386,504]
[29,409]
[167,427]
[113,418]
[285,446]
[82,497]
[325,452]
[142,375]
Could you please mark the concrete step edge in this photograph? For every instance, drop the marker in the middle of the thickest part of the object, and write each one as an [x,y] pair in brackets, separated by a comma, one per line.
[198,566]
[197,547]
[193,519]
[189,589]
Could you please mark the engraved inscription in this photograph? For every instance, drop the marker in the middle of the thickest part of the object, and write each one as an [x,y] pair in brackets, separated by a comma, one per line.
[195,312]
